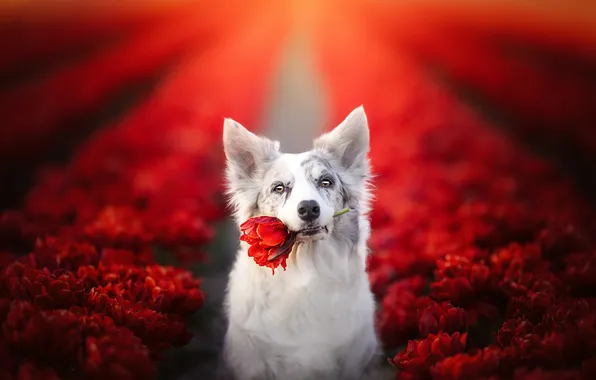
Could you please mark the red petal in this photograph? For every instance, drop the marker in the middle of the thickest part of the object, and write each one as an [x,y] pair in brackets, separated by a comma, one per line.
[427,323]
[249,240]
[268,237]
[272,236]
[249,228]
[248,224]
[267,220]
[424,348]
[284,249]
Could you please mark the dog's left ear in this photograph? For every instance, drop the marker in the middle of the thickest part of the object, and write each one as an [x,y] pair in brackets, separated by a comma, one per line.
[349,141]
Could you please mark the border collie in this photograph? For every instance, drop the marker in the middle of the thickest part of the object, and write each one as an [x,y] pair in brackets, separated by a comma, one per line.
[314,320]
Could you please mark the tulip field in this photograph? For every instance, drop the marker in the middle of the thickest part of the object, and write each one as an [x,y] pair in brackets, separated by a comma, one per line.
[483,145]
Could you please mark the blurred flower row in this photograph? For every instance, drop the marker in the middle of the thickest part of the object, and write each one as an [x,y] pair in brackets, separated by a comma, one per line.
[483,254]
[70,310]
[81,293]
[89,300]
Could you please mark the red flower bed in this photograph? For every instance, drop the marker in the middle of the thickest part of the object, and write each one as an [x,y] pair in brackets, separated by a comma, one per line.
[523,58]
[482,252]
[81,295]
[493,232]
[155,178]
[79,312]
[45,31]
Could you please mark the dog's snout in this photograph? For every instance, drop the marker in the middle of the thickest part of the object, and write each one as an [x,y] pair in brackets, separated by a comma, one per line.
[309,210]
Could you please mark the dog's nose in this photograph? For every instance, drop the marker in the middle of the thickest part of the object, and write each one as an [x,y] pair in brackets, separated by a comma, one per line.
[309,210]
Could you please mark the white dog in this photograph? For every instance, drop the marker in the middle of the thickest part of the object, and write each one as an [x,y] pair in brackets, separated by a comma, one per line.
[316,319]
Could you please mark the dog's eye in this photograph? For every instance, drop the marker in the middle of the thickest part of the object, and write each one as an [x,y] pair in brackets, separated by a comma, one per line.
[279,189]
[325,182]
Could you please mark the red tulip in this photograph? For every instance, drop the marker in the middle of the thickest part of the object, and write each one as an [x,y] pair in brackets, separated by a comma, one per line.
[270,241]
[481,364]
[420,355]
[116,353]
[30,371]
[397,320]
[51,336]
[513,328]
[442,317]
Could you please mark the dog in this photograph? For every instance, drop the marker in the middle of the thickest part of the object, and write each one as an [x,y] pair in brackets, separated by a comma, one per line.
[314,320]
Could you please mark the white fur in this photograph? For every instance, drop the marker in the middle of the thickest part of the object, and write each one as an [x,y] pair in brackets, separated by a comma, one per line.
[316,319]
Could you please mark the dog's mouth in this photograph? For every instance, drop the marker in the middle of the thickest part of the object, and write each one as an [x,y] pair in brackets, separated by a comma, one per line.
[313,231]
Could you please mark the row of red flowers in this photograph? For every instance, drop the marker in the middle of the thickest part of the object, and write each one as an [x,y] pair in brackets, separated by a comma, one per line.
[487,258]
[69,310]
[483,258]
[89,300]
[483,255]
[81,294]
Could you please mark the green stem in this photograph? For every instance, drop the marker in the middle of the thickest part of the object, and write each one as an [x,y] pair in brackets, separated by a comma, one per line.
[341,212]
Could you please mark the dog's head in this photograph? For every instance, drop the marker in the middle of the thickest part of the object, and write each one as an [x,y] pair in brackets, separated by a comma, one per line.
[302,190]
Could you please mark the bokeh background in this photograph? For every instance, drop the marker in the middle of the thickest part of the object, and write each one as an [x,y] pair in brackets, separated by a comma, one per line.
[482,117]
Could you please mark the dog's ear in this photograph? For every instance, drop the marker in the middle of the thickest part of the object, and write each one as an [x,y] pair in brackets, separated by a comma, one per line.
[349,141]
[245,151]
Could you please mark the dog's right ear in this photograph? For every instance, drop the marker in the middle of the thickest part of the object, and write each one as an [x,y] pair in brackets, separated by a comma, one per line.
[245,151]
[349,141]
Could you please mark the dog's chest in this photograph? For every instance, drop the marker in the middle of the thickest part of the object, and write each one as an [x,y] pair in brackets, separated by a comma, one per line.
[315,313]
[296,309]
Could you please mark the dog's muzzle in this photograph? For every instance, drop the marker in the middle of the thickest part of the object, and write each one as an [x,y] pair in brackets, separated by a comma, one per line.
[313,231]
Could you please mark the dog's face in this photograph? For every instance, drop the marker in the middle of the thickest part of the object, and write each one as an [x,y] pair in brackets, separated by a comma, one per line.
[302,190]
